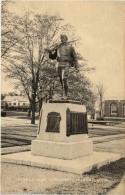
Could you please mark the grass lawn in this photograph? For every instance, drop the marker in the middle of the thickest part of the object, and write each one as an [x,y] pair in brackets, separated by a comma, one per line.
[16,131]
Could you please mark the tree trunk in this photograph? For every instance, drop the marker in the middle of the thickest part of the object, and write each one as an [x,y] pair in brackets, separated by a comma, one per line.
[33,113]
[101,113]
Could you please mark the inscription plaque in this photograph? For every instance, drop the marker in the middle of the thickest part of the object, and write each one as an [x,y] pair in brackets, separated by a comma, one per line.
[76,123]
[53,122]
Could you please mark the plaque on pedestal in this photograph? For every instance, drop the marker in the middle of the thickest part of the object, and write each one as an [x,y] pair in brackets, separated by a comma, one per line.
[53,122]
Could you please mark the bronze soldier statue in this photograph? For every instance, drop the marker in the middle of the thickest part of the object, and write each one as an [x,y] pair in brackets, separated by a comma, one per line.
[66,57]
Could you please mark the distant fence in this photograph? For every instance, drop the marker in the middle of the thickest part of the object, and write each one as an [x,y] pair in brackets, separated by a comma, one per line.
[108,123]
[19,108]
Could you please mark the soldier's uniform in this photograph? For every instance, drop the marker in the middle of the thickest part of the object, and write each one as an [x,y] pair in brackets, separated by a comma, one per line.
[66,58]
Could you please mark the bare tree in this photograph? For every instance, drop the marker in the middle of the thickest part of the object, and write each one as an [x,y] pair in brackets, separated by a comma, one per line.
[8,26]
[27,61]
[100,95]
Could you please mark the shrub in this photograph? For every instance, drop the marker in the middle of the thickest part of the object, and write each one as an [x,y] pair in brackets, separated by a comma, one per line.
[100,119]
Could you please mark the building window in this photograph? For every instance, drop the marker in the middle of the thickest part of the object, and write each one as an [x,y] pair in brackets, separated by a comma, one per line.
[18,104]
[14,104]
[23,104]
[9,104]
[123,109]
[114,109]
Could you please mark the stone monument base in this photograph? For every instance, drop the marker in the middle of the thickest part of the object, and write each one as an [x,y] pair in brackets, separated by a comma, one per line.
[78,165]
[63,131]
[61,149]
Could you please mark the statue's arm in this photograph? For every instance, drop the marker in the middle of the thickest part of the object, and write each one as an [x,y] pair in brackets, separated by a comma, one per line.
[53,55]
[74,57]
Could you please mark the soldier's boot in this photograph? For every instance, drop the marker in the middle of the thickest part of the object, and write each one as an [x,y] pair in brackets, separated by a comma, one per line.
[66,89]
[62,85]
[67,94]
[63,95]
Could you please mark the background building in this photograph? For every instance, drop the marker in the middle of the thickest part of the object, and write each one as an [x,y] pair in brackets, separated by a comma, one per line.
[114,108]
[16,103]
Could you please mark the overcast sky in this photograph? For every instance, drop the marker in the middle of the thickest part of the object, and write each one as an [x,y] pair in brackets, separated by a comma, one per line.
[101,26]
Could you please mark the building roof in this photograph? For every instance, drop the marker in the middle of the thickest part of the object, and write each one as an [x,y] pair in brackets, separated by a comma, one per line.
[15,98]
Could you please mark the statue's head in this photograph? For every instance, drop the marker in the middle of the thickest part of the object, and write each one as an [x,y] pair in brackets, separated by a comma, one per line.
[63,38]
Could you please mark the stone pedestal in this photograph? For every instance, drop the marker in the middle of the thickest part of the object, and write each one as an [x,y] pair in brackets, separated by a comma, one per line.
[63,131]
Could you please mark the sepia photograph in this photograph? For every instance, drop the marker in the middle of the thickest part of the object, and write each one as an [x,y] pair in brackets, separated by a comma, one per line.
[63,97]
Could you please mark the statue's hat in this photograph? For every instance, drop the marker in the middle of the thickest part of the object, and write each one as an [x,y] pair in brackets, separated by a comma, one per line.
[62,35]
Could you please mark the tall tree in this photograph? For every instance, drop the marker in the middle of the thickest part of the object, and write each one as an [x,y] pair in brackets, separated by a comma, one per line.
[100,95]
[27,61]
